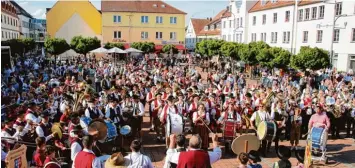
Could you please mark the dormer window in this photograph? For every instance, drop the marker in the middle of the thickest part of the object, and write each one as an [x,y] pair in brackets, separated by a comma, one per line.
[155,5]
[163,6]
[263,2]
[206,27]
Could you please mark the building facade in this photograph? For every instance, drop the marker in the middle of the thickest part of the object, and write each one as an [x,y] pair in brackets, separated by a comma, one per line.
[193,30]
[212,30]
[309,23]
[235,27]
[67,19]
[10,22]
[140,21]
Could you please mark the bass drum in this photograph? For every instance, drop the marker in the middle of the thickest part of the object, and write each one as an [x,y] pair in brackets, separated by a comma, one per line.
[111,130]
[267,130]
[319,138]
[84,123]
[174,125]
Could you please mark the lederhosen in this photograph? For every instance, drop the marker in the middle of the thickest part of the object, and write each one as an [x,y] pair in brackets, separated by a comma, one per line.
[202,130]
[156,120]
[278,117]
[114,114]
[94,114]
[11,132]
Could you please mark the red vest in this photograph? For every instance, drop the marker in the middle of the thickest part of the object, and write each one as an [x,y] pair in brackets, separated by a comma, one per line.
[39,158]
[48,163]
[155,112]
[20,123]
[84,159]
[194,159]
[226,115]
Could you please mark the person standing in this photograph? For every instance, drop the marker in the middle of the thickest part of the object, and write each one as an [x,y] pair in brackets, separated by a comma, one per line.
[136,159]
[50,161]
[87,158]
[92,111]
[201,119]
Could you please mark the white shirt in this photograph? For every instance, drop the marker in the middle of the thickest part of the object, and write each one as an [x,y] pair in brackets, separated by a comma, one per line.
[3,155]
[152,105]
[136,159]
[173,156]
[87,113]
[96,163]
[75,148]
[277,110]
[140,108]
[238,119]
[181,106]
[116,113]
[263,116]
[40,133]
[207,118]
[170,110]
[33,118]
[7,135]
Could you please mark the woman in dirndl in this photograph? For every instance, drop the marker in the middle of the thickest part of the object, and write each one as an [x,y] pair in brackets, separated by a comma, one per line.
[201,119]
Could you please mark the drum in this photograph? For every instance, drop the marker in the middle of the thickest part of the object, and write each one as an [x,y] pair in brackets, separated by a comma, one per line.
[267,130]
[111,130]
[319,137]
[174,125]
[84,123]
[126,131]
[230,128]
[98,129]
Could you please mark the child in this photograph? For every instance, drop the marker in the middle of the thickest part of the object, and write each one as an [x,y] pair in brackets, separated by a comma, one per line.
[299,152]
[254,158]
[243,158]
[296,122]
[284,153]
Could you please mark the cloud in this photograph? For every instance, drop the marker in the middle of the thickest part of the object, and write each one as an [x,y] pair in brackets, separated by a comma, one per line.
[39,13]
[22,4]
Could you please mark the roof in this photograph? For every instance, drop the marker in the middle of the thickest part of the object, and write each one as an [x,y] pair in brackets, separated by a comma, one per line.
[220,15]
[278,4]
[21,10]
[144,6]
[199,24]
[216,19]
[210,32]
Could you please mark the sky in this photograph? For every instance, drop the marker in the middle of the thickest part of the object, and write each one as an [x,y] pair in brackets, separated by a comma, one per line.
[194,9]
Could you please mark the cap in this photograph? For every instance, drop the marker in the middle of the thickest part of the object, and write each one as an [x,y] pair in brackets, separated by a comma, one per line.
[171,98]
[254,155]
[283,152]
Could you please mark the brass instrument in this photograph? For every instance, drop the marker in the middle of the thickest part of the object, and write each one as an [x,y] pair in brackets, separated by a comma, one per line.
[58,129]
[267,100]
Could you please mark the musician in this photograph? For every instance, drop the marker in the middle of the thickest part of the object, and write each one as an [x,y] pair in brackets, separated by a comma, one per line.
[50,161]
[105,83]
[181,104]
[64,104]
[156,105]
[338,119]
[136,159]
[169,108]
[149,99]
[194,105]
[279,115]
[113,111]
[44,128]
[201,119]
[20,121]
[75,141]
[86,157]
[258,117]
[104,97]
[320,119]
[92,111]
[246,113]
[138,112]
[296,122]
[180,147]
[39,156]
[9,131]
[32,113]
[230,115]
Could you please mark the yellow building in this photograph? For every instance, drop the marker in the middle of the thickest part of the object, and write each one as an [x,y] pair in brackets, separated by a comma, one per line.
[139,21]
[67,19]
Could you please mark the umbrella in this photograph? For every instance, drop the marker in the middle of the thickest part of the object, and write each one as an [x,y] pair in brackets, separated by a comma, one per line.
[116,50]
[99,50]
[133,50]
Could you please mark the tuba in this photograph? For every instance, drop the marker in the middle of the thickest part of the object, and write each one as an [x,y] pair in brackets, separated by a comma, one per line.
[267,100]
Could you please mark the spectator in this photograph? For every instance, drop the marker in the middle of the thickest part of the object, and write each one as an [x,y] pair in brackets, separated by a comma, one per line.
[136,159]
[254,159]
[180,143]
[243,159]
[87,158]
[284,153]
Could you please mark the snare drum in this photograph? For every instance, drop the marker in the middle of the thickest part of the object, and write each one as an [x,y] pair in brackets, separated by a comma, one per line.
[175,124]
[319,137]
[230,128]
[267,130]
[111,130]
[126,131]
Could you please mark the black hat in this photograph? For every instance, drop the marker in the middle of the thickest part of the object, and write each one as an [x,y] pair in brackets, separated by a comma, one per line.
[112,99]
[45,114]
[91,100]
[284,152]
[231,96]
[8,120]
[135,96]
[284,164]
[31,104]
[21,112]
[180,94]
[254,155]
[74,115]
[77,128]
[189,90]
[171,98]
[248,95]
[299,152]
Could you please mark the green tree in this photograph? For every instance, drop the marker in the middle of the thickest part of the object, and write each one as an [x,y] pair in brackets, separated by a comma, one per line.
[56,46]
[310,58]
[29,44]
[281,57]
[167,49]
[230,49]
[201,48]
[265,58]
[84,45]
[247,54]
[146,47]
[111,45]
[214,47]
[17,46]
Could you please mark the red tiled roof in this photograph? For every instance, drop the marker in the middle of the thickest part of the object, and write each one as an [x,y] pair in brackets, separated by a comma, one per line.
[141,6]
[278,4]
[210,32]
[199,24]
[216,19]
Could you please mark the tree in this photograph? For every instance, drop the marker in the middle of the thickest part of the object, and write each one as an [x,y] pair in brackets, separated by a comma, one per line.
[29,44]
[281,57]
[310,58]
[17,46]
[265,58]
[84,45]
[247,54]
[146,47]
[201,48]
[214,47]
[230,49]
[111,45]
[56,46]
[167,49]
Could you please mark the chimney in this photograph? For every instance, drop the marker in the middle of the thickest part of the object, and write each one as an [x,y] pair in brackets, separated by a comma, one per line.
[227,8]
[210,19]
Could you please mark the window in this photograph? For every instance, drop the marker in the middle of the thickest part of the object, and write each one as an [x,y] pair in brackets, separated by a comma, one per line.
[158,35]
[261,36]
[254,20]
[117,34]
[307,14]
[264,37]
[241,22]
[253,37]
[144,35]
[224,24]
[336,35]
[287,16]
[1,18]
[230,24]
[173,20]
[275,17]
[158,19]
[2,34]
[16,23]
[319,36]
[5,34]
[264,19]
[314,12]
[273,37]
[335,60]
[238,10]
[300,15]
[321,12]
[353,35]
[172,35]
[305,36]
[286,37]
[237,23]
[230,8]
[144,19]
[224,37]
[229,37]
[352,61]
[116,19]
[11,21]
[338,8]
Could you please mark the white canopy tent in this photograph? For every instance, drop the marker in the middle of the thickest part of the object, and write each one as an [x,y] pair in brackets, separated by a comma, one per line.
[69,54]
[117,50]
[133,50]
[99,50]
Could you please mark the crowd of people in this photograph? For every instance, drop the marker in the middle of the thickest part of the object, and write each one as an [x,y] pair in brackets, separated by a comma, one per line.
[77,94]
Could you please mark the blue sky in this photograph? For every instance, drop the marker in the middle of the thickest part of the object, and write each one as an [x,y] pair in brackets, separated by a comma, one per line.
[195,9]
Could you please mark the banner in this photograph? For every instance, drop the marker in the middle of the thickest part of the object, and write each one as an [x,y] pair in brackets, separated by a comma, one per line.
[17,158]
[308,153]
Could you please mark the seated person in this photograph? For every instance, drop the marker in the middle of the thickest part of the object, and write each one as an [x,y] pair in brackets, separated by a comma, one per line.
[284,153]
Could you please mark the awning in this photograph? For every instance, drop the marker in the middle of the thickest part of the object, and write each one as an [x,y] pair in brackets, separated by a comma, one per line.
[159,47]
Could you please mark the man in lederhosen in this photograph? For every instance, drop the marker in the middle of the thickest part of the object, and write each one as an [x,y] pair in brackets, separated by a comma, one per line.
[138,112]
[44,128]
[279,115]
[149,99]
[156,106]
[92,111]
[169,108]
[113,110]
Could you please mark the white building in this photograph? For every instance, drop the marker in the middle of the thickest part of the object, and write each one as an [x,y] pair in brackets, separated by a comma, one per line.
[26,28]
[193,30]
[273,22]
[9,21]
[235,27]
[212,30]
